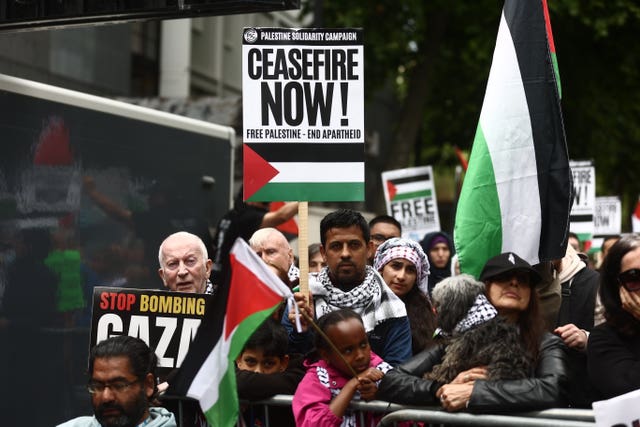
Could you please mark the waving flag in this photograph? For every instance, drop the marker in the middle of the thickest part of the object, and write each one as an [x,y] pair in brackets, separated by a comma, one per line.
[516,194]
[207,373]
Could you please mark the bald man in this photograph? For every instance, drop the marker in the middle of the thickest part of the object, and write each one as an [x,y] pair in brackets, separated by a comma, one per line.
[273,247]
[184,264]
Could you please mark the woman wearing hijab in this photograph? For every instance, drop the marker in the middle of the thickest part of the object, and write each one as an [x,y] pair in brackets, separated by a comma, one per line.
[405,269]
[439,249]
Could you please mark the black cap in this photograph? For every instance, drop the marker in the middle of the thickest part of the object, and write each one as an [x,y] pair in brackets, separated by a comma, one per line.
[507,262]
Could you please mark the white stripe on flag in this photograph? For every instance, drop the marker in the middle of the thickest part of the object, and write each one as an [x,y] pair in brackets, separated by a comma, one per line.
[205,385]
[318,172]
[411,187]
[506,125]
[246,256]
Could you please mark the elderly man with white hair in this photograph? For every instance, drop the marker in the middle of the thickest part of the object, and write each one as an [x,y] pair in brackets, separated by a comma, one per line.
[184,264]
[274,249]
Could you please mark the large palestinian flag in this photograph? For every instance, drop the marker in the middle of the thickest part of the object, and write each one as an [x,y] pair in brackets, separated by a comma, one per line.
[207,373]
[516,195]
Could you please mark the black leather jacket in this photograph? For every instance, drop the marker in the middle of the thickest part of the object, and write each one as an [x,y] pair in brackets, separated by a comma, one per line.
[545,389]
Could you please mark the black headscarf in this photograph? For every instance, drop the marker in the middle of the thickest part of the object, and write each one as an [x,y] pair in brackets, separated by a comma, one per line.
[437,274]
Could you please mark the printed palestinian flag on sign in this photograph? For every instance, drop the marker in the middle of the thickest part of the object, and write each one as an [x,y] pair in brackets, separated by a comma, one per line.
[208,371]
[303,171]
[516,196]
[409,188]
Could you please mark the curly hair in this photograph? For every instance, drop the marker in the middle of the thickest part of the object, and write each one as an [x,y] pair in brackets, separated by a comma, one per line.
[615,315]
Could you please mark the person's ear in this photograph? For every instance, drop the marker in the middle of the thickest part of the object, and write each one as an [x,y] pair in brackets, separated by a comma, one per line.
[161,274]
[284,363]
[371,250]
[207,266]
[149,384]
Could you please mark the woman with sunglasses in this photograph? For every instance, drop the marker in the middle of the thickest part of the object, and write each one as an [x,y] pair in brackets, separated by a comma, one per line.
[613,353]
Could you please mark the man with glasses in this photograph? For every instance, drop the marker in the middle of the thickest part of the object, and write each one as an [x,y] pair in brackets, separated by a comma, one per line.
[122,385]
[381,229]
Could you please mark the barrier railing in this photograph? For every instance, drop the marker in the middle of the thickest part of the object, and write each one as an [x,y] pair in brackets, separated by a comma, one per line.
[395,413]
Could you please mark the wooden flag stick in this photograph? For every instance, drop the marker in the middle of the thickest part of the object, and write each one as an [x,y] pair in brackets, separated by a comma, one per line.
[303,247]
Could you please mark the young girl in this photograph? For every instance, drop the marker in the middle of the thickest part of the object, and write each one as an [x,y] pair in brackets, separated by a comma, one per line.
[323,396]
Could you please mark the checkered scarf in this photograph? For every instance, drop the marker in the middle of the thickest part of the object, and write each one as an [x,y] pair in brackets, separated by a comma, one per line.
[481,312]
[372,299]
[410,250]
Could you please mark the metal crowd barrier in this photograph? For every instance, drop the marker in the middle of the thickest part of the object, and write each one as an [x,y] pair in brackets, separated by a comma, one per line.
[395,414]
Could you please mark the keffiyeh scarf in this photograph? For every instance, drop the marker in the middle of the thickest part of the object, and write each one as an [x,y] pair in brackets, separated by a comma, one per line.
[406,249]
[481,312]
[372,299]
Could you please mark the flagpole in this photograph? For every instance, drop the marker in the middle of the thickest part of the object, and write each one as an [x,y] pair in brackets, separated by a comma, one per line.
[331,344]
[303,247]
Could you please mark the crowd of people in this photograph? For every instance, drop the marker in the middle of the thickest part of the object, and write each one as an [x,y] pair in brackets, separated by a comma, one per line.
[396,322]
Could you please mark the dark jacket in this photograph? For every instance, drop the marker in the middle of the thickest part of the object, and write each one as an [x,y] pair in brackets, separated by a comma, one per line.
[391,339]
[614,361]
[256,386]
[545,389]
[577,307]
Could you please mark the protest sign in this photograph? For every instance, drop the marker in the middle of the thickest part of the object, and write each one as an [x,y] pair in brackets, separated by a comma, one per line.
[584,198]
[410,195]
[303,114]
[608,216]
[620,411]
[166,321]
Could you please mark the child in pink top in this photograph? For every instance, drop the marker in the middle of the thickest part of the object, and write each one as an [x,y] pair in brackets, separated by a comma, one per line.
[323,396]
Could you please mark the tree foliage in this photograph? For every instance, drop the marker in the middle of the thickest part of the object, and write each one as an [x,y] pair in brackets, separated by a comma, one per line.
[436,55]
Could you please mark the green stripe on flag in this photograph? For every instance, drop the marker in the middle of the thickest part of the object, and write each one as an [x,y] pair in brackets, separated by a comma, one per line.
[412,195]
[478,226]
[224,413]
[556,71]
[311,192]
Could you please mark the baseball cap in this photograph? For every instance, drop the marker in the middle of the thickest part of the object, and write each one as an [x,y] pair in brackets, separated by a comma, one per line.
[507,262]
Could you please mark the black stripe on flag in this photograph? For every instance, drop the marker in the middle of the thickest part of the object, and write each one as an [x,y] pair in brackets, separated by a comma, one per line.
[309,152]
[582,218]
[209,333]
[415,178]
[526,24]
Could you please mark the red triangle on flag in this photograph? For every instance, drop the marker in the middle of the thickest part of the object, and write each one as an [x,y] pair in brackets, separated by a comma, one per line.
[257,172]
[392,190]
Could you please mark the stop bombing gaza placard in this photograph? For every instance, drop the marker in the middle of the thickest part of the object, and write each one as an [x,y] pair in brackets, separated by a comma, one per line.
[166,321]
[303,114]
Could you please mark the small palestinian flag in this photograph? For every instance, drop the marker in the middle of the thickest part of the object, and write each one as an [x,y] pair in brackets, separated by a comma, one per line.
[517,193]
[208,371]
[303,171]
[410,187]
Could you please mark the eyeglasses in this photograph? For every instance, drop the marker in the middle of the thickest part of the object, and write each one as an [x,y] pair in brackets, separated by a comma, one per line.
[630,279]
[95,387]
[379,238]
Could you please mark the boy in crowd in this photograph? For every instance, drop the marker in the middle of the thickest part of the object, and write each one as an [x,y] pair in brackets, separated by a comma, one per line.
[264,369]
